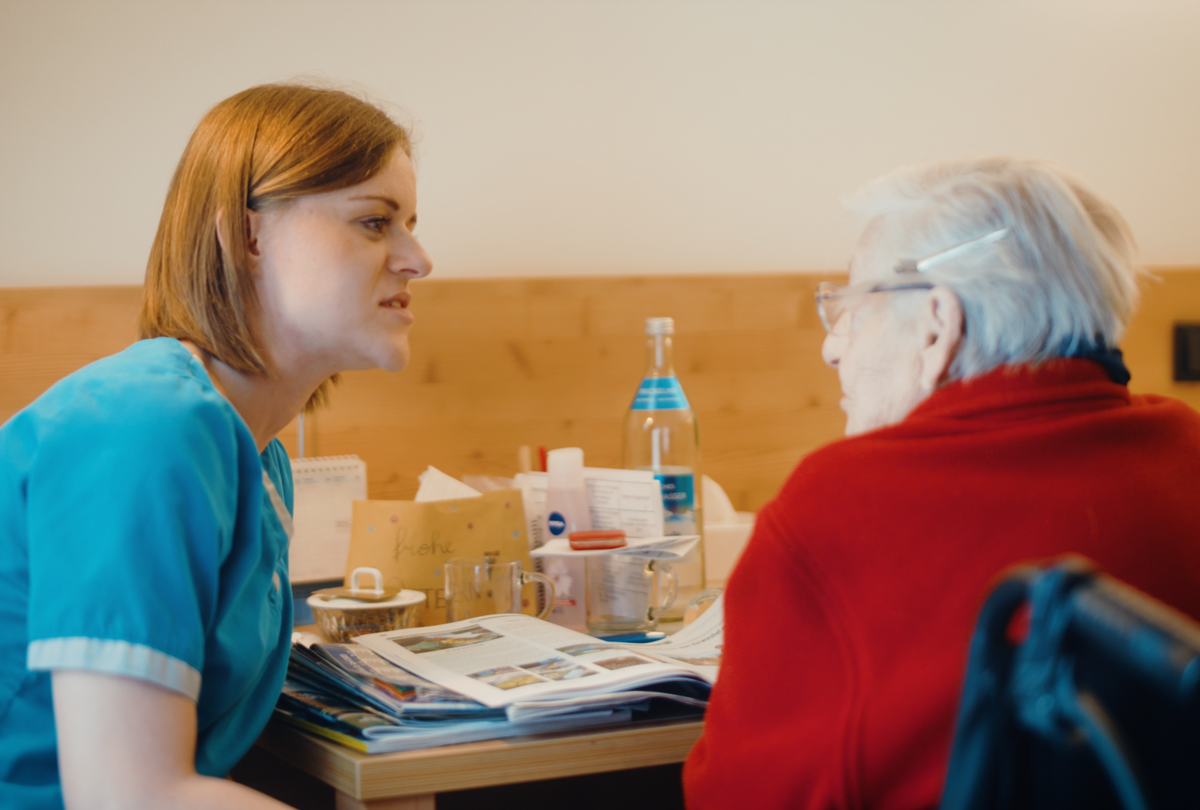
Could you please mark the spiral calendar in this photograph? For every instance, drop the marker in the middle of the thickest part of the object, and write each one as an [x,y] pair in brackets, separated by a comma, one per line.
[325,489]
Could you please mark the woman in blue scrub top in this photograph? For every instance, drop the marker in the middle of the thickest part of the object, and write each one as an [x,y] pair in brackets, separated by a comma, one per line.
[144,501]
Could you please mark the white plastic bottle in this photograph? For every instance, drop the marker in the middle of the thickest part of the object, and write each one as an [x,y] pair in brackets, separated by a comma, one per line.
[661,435]
[567,511]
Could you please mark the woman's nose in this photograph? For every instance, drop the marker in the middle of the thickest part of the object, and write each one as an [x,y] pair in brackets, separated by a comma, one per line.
[831,349]
[410,257]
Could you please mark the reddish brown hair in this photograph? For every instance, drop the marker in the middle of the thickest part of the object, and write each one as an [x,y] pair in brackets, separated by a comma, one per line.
[262,147]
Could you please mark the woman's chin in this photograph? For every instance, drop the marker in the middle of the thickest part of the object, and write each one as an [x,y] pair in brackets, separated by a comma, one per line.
[857,422]
[395,360]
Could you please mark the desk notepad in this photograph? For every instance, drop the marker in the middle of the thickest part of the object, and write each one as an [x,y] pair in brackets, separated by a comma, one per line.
[325,490]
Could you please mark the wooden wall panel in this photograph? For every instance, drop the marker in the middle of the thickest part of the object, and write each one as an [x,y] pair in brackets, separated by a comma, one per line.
[1170,296]
[498,364]
[46,333]
[555,362]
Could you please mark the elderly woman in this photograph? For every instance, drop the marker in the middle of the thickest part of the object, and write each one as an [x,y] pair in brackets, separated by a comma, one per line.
[988,422]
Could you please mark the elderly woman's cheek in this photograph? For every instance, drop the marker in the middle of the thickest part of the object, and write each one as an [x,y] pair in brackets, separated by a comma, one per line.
[906,391]
[880,376]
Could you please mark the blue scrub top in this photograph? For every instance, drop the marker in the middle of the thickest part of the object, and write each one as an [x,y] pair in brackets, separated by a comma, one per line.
[139,536]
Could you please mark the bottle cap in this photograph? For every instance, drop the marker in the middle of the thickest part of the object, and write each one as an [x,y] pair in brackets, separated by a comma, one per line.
[564,468]
[660,326]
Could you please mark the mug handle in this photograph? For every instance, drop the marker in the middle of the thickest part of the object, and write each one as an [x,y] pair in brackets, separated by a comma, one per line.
[700,603]
[665,571]
[534,576]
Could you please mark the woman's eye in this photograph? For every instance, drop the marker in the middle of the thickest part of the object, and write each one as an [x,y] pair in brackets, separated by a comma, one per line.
[377,224]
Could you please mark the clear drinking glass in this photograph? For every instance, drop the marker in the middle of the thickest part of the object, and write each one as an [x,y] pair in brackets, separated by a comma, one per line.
[482,586]
[627,594]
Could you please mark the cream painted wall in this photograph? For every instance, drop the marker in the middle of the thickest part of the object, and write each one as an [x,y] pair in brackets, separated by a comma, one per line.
[603,136]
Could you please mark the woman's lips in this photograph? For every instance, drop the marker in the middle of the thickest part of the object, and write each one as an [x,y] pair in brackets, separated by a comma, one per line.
[399,305]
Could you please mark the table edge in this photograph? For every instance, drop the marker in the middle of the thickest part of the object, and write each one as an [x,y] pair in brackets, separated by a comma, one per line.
[479,764]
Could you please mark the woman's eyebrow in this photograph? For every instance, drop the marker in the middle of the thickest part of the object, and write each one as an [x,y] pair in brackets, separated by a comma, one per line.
[395,206]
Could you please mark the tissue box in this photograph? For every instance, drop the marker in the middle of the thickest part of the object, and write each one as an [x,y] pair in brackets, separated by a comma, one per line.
[723,544]
[725,533]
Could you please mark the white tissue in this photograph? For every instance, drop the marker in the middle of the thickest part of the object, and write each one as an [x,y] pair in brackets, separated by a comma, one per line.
[437,486]
[489,483]
[717,506]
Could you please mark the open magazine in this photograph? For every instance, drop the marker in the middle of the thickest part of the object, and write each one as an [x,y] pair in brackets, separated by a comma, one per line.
[492,677]
[533,668]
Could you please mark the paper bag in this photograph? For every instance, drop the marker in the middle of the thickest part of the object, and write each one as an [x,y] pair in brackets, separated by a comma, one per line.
[409,540]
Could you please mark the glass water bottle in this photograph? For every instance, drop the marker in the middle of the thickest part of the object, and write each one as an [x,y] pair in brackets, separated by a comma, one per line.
[661,435]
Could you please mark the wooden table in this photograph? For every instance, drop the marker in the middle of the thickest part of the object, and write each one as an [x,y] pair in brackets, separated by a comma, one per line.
[410,780]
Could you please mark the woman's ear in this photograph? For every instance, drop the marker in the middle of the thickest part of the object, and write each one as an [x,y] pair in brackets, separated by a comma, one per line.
[941,333]
[222,237]
[253,229]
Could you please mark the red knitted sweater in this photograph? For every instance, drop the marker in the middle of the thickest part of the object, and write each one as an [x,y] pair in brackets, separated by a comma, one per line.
[849,614]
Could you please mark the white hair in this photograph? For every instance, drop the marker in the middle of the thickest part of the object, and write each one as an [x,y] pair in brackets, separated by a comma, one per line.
[1063,278]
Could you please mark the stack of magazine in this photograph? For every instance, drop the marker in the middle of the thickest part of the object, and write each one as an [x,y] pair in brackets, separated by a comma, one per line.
[495,676]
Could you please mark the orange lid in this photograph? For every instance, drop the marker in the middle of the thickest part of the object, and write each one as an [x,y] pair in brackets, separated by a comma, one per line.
[597,534]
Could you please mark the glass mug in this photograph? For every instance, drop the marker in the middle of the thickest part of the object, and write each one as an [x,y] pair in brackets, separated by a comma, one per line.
[627,594]
[481,586]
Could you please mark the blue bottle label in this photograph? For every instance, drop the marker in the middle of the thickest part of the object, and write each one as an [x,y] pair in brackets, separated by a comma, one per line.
[679,504]
[556,523]
[660,394]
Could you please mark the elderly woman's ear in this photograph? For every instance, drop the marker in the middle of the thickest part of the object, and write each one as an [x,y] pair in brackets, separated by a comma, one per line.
[940,325]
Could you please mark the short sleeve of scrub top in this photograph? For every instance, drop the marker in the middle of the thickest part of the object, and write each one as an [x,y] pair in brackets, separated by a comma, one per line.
[156,544]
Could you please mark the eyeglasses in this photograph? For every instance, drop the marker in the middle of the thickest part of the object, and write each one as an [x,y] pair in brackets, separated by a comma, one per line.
[833,300]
